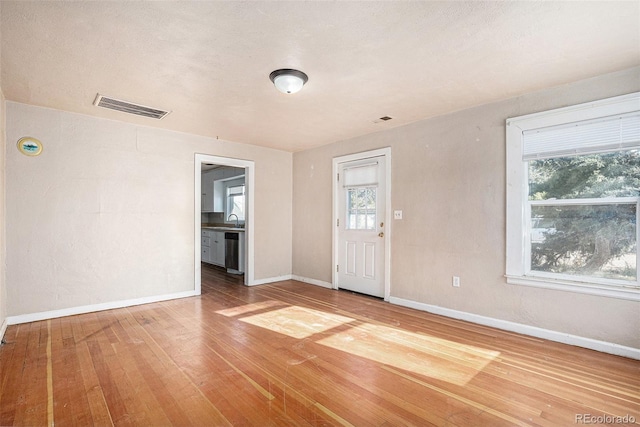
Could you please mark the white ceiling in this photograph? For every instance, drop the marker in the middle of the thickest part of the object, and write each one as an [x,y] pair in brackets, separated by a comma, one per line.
[209,62]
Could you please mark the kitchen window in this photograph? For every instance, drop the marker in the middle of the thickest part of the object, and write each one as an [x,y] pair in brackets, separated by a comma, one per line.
[573,198]
[235,199]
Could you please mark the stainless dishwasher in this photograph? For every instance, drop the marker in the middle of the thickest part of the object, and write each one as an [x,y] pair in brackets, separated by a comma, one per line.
[231,252]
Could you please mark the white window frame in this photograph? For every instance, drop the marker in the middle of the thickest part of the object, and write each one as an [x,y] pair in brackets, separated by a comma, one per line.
[236,182]
[517,223]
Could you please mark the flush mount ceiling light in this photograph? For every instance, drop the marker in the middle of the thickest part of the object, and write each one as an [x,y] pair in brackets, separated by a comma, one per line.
[288,80]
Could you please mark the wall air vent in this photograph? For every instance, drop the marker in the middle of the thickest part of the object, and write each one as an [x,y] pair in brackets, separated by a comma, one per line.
[128,107]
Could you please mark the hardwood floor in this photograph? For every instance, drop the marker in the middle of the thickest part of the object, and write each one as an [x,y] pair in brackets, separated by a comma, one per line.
[297,354]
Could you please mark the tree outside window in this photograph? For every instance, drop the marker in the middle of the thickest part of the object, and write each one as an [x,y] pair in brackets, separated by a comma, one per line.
[573,196]
[583,215]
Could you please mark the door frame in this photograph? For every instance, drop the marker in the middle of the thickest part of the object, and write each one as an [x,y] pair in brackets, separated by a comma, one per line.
[249,167]
[386,153]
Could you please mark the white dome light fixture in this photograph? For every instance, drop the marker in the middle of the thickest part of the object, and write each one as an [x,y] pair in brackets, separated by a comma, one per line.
[287,80]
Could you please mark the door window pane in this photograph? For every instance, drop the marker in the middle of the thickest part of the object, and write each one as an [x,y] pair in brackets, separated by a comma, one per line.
[361,208]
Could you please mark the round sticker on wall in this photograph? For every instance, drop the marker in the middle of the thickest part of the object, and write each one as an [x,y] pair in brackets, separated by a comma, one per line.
[29,146]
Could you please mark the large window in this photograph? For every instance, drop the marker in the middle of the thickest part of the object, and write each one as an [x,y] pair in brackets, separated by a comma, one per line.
[573,196]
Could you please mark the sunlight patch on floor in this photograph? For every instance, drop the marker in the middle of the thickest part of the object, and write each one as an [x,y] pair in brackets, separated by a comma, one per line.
[249,308]
[422,354]
[297,322]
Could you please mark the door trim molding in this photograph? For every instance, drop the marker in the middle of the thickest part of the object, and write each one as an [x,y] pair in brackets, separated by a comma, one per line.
[249,165]
[386,153]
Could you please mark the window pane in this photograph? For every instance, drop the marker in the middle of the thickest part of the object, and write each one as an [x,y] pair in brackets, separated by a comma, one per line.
[369,201]
[371,221]
[361,208]
[352,199]
[362,194]
[236,206]
[592,176]
[235,201]
[585,240]
[351,221]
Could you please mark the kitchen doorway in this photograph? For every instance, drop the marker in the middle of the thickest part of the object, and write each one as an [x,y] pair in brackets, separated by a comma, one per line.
[361,218]
[204,198]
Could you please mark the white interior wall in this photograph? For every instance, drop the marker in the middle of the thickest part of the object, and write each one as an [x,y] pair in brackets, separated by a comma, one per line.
[448,177]
[106,212]
[100,213]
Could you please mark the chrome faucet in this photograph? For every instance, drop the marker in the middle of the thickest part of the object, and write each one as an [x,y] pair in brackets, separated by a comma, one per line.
[230,215]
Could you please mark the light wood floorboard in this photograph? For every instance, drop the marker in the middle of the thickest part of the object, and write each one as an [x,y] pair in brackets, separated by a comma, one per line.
[300,355]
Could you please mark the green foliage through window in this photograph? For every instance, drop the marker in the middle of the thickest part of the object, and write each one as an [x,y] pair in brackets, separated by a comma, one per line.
[570,235]
[592,176]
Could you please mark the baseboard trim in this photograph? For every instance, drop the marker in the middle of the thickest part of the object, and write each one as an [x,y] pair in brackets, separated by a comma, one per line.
[53,314]
[270,280]
[312,281]
[3,329]
[291,277]
[603,346]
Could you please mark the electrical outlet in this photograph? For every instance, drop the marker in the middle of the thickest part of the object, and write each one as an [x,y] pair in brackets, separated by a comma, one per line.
[397,214]
[456,282]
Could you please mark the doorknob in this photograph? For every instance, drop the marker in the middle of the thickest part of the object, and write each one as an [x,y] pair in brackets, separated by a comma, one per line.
[381,234]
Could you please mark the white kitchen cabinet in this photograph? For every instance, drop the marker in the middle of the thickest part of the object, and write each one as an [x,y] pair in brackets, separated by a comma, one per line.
[205,254]
[205,247]
[217,248]
[218,196]
[208,178]
[212,247]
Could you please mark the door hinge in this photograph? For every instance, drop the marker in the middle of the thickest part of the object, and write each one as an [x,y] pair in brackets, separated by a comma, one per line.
[338,222]
[338,177]
[337,269]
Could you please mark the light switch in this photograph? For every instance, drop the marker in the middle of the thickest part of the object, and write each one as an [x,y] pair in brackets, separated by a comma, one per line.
[397,214]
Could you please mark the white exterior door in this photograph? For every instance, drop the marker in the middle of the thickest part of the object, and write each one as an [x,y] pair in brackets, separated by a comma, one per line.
[361,226]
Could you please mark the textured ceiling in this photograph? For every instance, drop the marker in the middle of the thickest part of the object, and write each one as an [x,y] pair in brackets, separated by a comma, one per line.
[209,62]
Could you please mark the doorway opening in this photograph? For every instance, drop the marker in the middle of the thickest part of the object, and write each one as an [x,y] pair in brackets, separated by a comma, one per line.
[223,216]
[362,222]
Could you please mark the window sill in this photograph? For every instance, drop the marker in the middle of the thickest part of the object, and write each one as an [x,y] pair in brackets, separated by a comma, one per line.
[619,292]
